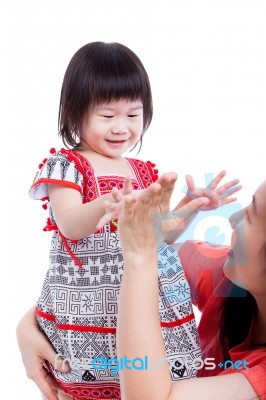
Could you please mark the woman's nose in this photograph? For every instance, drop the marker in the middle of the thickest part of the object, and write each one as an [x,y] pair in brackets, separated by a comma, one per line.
[236,218]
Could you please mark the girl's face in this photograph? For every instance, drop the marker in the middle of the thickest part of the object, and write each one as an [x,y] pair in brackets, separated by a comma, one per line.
[246,263]
[113,128]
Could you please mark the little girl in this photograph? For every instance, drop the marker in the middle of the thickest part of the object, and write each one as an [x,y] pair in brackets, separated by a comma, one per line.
[105,109]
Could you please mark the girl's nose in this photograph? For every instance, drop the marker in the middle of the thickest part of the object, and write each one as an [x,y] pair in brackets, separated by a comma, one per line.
[119,126]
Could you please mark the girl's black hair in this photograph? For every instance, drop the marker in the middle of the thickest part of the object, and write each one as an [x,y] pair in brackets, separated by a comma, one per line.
[101,72]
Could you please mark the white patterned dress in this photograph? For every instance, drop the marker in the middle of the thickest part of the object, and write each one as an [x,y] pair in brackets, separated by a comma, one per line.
[77,309]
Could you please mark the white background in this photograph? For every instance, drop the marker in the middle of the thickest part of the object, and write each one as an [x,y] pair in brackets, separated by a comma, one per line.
[207,65]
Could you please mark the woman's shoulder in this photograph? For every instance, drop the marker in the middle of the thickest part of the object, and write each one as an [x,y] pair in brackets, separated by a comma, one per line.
[202,254]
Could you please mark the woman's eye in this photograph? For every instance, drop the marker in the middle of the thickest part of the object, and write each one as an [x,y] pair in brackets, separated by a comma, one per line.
[108,116]
[247,216]
[132,115]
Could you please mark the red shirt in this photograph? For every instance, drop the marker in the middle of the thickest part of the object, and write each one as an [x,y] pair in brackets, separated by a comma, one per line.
[203,267]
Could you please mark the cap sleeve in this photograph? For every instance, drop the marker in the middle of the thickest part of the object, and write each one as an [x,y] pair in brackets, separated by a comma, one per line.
[257,378]
[153,170]
[59,169]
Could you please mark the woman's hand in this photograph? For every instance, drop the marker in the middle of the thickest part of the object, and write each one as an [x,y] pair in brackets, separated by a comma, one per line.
[143,221]
[218,196]
[35,350]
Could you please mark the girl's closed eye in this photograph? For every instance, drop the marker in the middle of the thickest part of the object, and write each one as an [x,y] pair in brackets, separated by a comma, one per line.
[105,116]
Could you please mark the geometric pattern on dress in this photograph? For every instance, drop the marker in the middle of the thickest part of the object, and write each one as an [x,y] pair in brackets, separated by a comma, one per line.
[86,298]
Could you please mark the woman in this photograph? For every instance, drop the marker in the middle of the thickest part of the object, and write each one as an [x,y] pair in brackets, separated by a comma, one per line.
[139,332]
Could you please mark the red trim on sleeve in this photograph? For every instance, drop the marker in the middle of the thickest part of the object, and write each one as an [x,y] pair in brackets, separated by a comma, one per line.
[57,182]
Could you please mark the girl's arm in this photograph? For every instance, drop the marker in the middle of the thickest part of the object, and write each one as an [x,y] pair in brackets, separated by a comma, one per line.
[139,332]
[74,219]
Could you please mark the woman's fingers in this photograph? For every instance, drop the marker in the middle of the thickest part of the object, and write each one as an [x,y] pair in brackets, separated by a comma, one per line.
[229,189]
[148,196]
[159,193]
[215,182]
[176,220]
[190,184]
[167,190]
[40,377]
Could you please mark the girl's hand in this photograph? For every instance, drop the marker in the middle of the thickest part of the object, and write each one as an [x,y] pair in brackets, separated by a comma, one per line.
[113,207]
[218,196]
[35,350]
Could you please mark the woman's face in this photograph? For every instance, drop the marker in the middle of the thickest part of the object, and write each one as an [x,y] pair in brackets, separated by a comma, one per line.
[246,263]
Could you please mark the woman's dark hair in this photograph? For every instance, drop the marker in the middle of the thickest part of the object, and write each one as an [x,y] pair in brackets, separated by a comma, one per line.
[237,313]
[101,72]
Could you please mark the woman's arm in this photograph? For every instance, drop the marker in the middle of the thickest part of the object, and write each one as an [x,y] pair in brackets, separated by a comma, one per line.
[35,350]
[139,332]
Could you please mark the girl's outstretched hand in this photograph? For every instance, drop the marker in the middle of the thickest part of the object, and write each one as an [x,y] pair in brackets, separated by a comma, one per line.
[114,207]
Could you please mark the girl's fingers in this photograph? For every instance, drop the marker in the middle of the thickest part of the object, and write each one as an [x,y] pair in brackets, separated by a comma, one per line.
[116,194]
[127,188]
[106,218]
